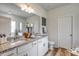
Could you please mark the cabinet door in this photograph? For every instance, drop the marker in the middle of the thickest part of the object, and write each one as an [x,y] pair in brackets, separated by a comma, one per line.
[45,45]
[33,50]
[40,51]
[40,47]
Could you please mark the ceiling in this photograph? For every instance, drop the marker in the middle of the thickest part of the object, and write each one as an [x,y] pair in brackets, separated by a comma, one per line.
[11,8]
[49,6]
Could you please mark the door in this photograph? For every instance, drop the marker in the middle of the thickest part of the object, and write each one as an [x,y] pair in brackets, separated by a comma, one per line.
[65,32]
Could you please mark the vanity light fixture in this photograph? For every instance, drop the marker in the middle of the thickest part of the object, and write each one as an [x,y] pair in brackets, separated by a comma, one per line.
[26,7]
[29,25]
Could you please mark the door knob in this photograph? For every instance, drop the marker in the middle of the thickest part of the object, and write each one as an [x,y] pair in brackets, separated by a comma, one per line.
[70,34]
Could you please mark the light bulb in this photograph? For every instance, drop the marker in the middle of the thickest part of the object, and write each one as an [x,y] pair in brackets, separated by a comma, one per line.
[27,8]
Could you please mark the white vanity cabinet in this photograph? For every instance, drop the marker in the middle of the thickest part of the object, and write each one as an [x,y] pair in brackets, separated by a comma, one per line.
[35,48]
[12,52]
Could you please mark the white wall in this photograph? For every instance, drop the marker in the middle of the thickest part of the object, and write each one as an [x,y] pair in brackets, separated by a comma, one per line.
[52,23]
[5,25]
[35,20]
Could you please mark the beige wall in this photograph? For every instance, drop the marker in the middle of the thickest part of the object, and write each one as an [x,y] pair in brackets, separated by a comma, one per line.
[52,23]
[35,20]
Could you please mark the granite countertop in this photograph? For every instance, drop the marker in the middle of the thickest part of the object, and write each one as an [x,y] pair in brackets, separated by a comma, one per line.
[20,43]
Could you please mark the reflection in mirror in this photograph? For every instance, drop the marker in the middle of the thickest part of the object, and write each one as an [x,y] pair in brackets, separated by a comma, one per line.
[14,22]
[13,26]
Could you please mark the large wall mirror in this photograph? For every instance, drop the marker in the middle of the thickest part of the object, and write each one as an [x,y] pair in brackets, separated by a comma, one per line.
[13,21]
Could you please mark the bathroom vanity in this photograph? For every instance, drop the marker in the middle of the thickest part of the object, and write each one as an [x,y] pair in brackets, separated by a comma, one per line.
[33,47]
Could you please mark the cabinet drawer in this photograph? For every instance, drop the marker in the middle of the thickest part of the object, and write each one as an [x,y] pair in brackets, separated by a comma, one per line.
[24,47]
[10,53]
